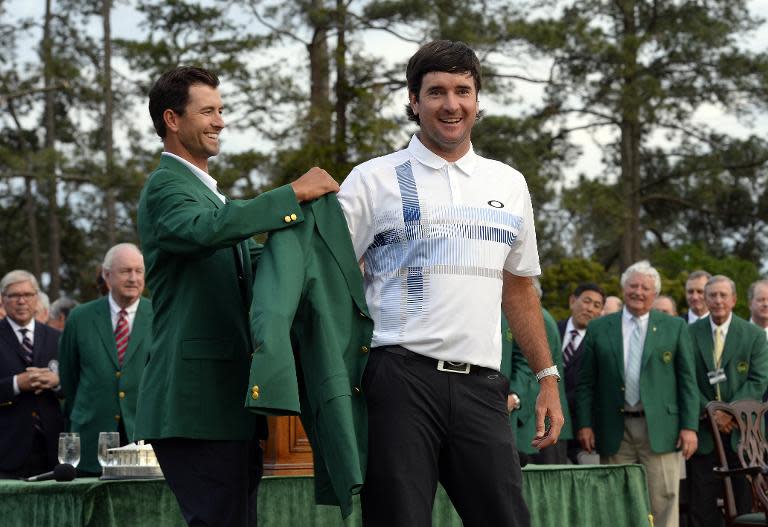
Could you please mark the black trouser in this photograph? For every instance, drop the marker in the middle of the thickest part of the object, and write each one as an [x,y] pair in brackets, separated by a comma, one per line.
[704,488]
[425,426]
[36,463]
[215,482]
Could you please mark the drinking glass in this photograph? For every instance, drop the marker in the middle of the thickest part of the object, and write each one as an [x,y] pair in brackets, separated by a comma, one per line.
[69,448]
[107,440]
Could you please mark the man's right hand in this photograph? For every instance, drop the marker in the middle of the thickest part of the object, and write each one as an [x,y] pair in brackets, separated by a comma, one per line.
[315,183]
[586,439]
[24,382]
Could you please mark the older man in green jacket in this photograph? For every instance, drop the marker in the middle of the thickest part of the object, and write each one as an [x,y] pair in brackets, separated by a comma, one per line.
[636,399]
[731,358]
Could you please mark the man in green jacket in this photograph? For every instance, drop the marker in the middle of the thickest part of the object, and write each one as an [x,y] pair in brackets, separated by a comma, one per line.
[102,353]
[731,357]
[636,399]
[200,263]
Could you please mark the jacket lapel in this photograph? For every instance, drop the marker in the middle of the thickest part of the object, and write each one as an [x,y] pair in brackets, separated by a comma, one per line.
[141,324]
[650,337]
[705,344]
[332,227]
[732,342]
[617,344]
[103,325]
[10,340]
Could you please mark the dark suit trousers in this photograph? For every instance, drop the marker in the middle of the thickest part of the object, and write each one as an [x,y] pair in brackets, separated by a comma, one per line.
[215,482]
[704,488]
[426,426]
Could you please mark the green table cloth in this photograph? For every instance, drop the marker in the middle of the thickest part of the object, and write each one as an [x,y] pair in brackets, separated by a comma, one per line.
[556,495]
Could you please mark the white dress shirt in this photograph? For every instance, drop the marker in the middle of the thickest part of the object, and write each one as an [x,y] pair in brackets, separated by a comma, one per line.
[567,335]
[207,180]
[30,335]
[114,310]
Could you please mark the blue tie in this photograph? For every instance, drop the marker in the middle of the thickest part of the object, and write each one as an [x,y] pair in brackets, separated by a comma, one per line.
[632,374]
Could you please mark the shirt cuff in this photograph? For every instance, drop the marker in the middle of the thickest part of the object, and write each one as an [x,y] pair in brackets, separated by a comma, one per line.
[16,390]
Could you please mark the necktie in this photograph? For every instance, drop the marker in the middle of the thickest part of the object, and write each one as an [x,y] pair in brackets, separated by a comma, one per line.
[719,344]
[570,348]
[122,332]
[26,346]
[632,374]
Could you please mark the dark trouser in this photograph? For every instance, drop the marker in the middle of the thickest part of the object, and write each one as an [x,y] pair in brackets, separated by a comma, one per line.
[215,482]
[36,463]
[704,488]
[556,454]
[426,426]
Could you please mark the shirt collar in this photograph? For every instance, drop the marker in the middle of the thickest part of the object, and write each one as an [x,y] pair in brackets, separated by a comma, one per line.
[115,309]
[725,325]
[570,326]
[629,316]
[207,180]
[16,327]
[427,157]
[693,317]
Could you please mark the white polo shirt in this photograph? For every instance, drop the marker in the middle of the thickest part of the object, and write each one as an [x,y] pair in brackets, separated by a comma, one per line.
[435,238]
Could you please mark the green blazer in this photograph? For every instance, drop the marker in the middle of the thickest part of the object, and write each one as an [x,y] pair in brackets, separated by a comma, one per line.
[200,260]
[522,381]
[98,393]
[745,361]
[312,331]
[667,382]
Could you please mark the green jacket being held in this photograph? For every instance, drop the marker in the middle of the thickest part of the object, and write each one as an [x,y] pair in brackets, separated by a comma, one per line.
[199,260]
[311,331]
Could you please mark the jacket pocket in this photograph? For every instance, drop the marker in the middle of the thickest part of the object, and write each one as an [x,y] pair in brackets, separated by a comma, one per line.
[207,349]
[672,409]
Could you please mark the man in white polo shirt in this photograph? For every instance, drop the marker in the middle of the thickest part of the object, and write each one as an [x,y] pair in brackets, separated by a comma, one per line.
[445,237]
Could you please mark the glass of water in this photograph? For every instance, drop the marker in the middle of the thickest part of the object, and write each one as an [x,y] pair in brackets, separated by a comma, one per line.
[107,441]
[69,448]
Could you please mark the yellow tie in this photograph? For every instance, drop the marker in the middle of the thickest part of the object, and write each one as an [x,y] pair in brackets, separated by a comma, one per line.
[719,343]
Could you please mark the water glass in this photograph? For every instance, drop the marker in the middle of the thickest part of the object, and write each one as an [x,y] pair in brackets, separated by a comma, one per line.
[107,441]
[69,448]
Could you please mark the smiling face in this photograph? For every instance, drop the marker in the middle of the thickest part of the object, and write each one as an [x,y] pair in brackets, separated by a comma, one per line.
[125,277]
[639,294]
[197,130]
[447,110]
[585,307]
[720,300]
[758,307]
[20,302]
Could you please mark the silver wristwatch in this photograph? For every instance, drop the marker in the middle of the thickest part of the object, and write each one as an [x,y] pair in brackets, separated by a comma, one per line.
[548,372]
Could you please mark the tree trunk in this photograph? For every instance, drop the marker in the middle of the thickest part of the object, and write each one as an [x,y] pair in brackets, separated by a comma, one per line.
[110,177]
[631,135]
[319,131]
[341,85]
[51,180]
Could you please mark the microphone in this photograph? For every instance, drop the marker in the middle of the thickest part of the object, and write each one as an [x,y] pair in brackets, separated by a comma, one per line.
[63,472]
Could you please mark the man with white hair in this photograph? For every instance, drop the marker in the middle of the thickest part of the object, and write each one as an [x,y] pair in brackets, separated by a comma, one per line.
[103,352]
[59,312]
[30,416]
[43,307]
[757,295]
[636,396]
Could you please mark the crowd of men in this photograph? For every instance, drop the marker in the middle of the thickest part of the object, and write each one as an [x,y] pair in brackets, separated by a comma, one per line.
[444,237]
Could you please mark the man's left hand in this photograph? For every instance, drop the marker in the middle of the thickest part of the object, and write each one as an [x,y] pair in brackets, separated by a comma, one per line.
[688,442]
[548,405]
[725,422]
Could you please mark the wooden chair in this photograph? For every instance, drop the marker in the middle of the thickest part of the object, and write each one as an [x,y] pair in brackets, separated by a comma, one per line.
[752,454]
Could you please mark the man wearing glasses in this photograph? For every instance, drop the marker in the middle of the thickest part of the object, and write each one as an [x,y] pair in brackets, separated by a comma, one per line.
[30,416]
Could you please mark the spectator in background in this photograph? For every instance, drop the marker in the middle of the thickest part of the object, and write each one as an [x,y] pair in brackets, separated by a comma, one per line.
[586,303]
[731,358]
[665,304]
[612,305]
[59,312]
[103,351]
[29,406]
[636,366]
[694,296]
[523,390]
[757,294]
[43,307]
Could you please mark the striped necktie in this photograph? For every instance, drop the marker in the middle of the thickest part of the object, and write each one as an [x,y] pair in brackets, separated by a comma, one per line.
[632,374]
[122,333]
[570,348]
[26,346]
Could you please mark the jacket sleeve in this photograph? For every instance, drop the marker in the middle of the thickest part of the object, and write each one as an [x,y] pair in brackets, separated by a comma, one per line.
[687,388]
[757,378]
[585,383]
[185,226]
[69,361]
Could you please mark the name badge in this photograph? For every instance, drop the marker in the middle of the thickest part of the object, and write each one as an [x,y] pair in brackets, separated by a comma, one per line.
[717,376]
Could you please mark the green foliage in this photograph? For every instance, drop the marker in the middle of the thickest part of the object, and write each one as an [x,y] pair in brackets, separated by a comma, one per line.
[559,281]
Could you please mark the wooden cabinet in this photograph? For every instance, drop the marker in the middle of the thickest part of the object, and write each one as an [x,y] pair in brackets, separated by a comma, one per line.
[287,452]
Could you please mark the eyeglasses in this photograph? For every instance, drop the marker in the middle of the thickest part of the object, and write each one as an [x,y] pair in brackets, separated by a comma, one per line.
[18,296]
